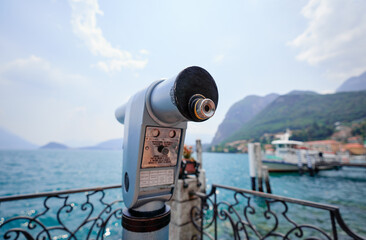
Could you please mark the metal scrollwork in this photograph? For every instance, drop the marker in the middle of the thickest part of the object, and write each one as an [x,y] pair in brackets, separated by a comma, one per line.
[81,219]
[256,215]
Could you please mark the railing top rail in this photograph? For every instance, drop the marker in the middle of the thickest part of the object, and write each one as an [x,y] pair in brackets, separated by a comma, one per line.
[55,193]
[276,197]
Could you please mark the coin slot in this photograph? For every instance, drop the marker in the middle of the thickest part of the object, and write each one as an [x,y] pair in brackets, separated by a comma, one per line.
[160,148]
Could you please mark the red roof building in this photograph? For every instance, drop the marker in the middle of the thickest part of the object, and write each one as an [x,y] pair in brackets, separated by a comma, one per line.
[324,145]
[355,148]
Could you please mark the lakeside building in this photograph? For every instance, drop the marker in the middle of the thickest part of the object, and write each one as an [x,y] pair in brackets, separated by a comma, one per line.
[330,146]
[355,148]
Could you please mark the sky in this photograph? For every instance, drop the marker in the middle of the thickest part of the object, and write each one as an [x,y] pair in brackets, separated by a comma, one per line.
[65,66]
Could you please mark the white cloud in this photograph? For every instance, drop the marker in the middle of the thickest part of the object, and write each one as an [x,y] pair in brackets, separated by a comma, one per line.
[117,65]
[84,23]
[335,37]
[36,71]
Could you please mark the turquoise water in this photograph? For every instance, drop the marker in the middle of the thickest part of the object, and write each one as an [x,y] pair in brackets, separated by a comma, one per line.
[345,188]
[24,172]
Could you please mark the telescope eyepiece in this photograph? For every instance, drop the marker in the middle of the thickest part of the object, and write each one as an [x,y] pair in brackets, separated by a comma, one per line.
[205,109]
[201,108]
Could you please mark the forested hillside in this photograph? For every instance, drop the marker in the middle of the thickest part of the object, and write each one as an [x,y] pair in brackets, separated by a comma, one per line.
[299,111]
[240,113]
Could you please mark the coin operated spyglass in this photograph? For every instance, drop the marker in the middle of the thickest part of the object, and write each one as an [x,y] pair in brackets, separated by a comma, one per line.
[155,122]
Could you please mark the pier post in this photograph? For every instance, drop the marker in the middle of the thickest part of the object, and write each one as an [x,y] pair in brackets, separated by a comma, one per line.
[202,172]
[310,164]
[258,159]
[199,152]
[299,161]
[266,179]
[252,166]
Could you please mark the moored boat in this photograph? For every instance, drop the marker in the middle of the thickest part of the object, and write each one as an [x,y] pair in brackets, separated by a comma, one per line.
[293,156]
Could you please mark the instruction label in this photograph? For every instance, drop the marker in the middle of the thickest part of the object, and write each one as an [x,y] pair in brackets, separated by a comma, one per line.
[156,177]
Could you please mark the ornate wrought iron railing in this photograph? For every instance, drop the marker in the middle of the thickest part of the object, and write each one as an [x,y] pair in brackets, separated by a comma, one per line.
[256,215]
[95,213]
[89,213]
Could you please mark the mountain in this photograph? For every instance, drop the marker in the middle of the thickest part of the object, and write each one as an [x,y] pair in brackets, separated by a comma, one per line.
[354,84]
[54,145]
[113,144]
[240,113]
[9,140]
[297,111]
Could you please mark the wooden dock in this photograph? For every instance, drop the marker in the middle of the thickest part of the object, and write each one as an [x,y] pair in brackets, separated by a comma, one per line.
[339,164]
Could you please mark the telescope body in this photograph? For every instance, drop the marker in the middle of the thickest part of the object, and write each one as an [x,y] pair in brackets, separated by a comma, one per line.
[155,122]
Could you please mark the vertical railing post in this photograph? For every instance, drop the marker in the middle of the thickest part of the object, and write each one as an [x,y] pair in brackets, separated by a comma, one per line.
[202,217]
[334,226]
[215,212]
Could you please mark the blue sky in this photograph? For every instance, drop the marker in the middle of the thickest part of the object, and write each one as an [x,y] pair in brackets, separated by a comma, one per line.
[65,66]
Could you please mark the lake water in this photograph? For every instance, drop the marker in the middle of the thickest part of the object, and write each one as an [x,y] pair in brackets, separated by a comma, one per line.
[24,172]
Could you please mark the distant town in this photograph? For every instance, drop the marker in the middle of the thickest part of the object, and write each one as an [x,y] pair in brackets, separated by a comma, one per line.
[348,139]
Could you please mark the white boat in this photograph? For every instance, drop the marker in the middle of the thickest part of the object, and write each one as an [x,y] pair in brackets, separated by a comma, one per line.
[292,156]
